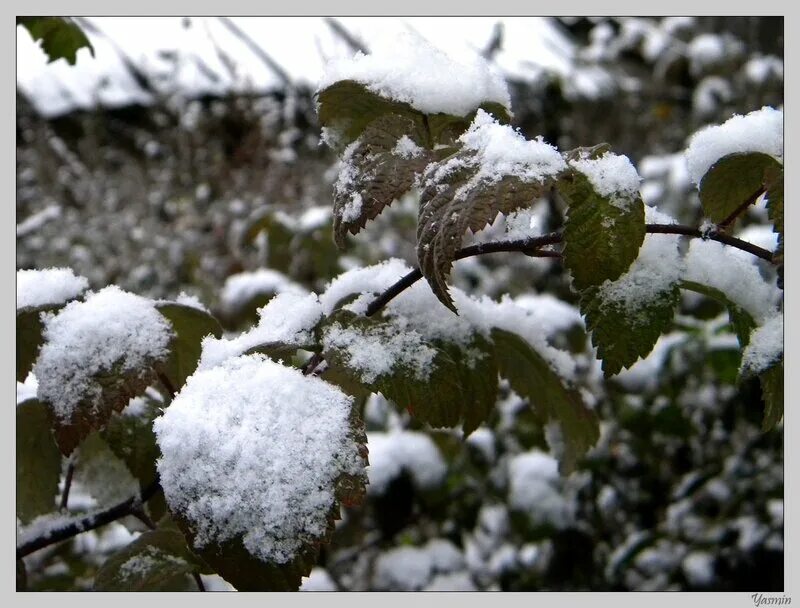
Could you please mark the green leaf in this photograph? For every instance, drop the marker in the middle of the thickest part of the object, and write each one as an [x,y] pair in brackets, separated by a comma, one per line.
[773,181]
[772,389]
[623,336]
[741,320]
[158,560]
[732,180]
[38,462]
[461,381]
[373,175]
[29,339]
[130,437]
[102,473]
[60,36]
[448,209]
[190,325]
[534,379]
[601,237]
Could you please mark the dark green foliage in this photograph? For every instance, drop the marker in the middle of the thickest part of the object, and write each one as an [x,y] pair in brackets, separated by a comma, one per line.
[60,36]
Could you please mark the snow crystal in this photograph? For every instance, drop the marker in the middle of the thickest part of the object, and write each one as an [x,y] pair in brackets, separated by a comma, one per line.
[352,208]
[410,568]
[406,148]
[191,300]
[765,346]
[499,150]
[318,580]
[612,176]
[407,68]
[287,318]
[533,479]
[252,449]
[758,131]
[239,289]
[375,351]
[712,264]
[110,328]
[392,453]
[50,286]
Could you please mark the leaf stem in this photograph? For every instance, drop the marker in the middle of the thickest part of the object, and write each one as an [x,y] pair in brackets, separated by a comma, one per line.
[67,485]
[728,221]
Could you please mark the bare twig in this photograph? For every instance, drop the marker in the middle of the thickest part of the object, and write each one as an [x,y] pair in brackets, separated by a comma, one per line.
[728,221]
[67,485]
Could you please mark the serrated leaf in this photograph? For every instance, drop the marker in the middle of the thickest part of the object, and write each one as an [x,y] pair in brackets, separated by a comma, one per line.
[772,389]
[190,325]
[61,37]
[532,377]
[158,560]
[449,206]
[732,180]
[460,385]
[373,174]
[38,462]
[622,336]
[601,237]
[130,437]
[773,181]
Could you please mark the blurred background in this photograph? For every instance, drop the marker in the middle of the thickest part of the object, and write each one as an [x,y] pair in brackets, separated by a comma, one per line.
[185,157]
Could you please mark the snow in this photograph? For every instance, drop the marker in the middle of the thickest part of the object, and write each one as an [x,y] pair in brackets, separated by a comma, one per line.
[288,318]
[759,70]
[369,280]
[765,347]
[758,131]
[498,151]
[318,580]
[252,450]
[612,176]
[241,288]
[51,286]
[456,581]
[733,273]
[551,313]
[653,274]
[392,453]
[150,559]
[533,480]
[760,235]
[705,50]
[190,300]
[410,568]
[33,222]
[376,350]
[483,440]
[409,69]
[698,567]
[645,373]
[84,339]
[27,390]
[406,148]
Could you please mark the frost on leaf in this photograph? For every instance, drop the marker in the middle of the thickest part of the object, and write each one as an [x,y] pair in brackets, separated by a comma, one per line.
[98,354]
[256,459]
[496,171]
[381,165]
[605,225]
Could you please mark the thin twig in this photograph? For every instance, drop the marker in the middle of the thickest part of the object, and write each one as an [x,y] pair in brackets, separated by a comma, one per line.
[728,221]
[199,581]
[67,485]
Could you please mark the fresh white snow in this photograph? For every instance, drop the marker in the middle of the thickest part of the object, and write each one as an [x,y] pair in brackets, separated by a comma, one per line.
[51,286]
[392,453]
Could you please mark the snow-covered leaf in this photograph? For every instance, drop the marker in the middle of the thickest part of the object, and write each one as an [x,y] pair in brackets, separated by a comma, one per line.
[256,458]
[605,226]
[158,560]
[732,180]
[189,325]
[533,378]
[38,462]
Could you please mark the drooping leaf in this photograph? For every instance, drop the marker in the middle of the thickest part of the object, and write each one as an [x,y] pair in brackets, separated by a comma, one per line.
[375,172]
[449,205]
[534,379]
[772,389]
[741,320]
[732,180]
[458,386]
[130,437]
[773,181]
[190,325]
[623,336]
[158,560]
[601,236]
[38,462]
[60,36]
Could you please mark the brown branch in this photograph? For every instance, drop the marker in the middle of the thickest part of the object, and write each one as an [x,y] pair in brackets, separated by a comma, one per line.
[728,221]
[67,485]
